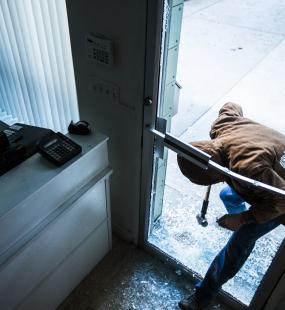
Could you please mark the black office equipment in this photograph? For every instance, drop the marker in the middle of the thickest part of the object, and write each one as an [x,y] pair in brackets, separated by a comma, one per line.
[19,142]
[4,142]
[58,148]
[3,126]
[79,128]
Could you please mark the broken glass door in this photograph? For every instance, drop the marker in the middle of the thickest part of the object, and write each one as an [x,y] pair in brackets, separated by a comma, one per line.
[175,203]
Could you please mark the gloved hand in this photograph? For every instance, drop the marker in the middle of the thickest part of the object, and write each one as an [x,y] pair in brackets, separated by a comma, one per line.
[231,221]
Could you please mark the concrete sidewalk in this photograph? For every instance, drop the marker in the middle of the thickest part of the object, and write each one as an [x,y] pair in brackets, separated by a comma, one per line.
[231,51]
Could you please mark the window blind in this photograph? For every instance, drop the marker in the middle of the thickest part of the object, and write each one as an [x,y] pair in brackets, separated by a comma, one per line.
[37,84]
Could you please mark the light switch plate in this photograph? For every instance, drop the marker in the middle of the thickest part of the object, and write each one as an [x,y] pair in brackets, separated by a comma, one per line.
[105,90]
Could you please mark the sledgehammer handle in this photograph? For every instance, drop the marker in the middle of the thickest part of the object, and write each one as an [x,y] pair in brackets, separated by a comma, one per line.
[208,193]
[205,202]
[201,218]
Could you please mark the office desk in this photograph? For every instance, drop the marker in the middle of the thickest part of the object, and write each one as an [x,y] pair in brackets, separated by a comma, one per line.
[55,225]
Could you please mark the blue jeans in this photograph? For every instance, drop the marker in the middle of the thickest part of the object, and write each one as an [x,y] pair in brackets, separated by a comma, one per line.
[232,257]
[232,201]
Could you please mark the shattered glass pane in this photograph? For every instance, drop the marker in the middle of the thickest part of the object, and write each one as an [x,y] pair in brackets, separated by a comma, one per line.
[179,235]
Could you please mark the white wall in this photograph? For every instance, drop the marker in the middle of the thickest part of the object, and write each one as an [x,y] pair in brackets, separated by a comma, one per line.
[125,23]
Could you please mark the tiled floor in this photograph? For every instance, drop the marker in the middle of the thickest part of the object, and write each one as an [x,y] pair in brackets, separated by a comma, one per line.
[128,278]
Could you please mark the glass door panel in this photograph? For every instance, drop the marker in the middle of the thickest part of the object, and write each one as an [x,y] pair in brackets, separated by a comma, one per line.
[175,203]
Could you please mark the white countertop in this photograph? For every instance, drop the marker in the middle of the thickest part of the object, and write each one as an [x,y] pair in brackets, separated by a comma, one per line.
[26,178]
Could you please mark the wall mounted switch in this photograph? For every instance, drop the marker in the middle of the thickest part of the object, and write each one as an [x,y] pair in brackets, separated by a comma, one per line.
[105,90]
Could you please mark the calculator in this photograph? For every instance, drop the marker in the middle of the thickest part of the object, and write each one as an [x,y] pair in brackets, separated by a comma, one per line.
[58,148]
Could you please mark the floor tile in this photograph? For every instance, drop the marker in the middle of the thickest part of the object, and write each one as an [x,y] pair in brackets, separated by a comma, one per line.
[129,278]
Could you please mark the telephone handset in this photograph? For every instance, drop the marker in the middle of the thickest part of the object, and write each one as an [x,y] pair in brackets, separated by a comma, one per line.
[58,148]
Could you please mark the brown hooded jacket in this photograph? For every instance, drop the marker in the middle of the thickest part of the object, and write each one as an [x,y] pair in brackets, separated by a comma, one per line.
[250,149]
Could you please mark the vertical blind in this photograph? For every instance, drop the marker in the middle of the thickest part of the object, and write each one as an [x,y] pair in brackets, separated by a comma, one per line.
[37,84]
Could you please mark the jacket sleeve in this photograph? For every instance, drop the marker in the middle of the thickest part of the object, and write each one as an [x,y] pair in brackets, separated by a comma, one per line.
[268,205]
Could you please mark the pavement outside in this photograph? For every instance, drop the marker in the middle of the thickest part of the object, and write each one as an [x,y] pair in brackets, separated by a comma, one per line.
[229,51]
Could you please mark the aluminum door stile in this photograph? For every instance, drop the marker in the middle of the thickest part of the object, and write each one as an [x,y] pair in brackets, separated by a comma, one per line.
[151,93]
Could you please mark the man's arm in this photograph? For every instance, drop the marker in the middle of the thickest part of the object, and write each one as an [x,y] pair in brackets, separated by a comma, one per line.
[268,206]
[235,221]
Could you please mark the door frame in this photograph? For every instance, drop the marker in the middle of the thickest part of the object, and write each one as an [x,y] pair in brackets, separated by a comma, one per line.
[151,94]
[274,276]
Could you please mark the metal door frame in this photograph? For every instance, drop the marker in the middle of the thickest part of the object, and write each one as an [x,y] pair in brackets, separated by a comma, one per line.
[151,95]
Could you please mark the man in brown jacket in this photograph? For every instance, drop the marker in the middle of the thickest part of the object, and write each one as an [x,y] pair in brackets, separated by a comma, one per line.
[254,151]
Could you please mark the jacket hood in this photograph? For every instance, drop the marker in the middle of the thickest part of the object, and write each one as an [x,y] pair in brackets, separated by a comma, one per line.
[199,175]
[231,109]
[229,112]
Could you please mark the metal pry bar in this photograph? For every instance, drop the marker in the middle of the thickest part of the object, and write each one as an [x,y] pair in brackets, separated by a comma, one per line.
[204,161]
[190,152]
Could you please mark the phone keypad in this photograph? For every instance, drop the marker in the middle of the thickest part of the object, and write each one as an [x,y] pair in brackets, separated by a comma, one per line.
[61,150]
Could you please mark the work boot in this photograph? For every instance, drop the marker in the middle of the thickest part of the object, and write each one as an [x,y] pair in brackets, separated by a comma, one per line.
[191,303]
